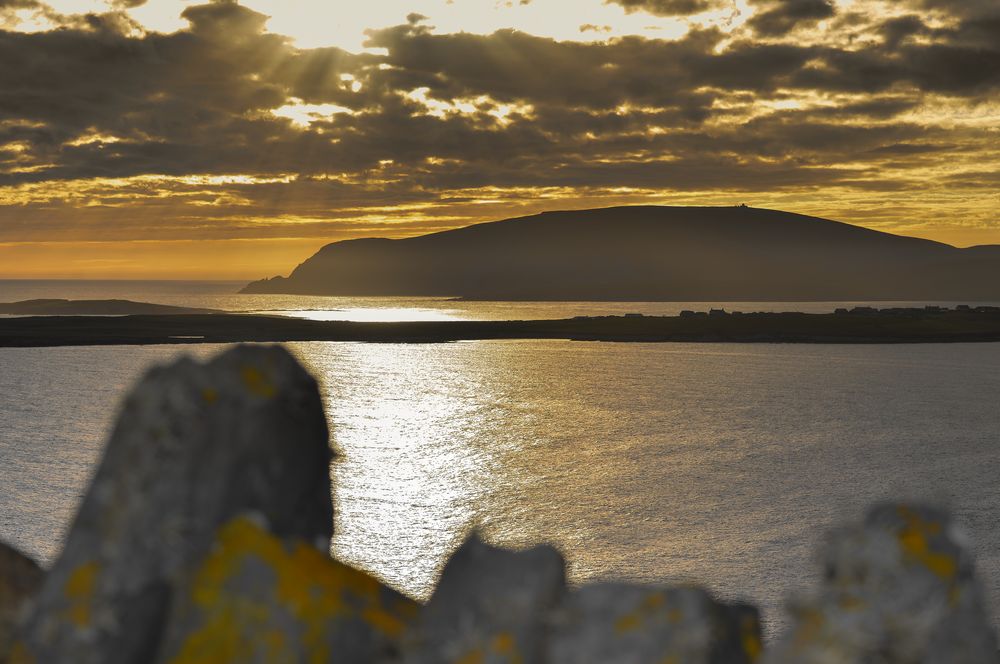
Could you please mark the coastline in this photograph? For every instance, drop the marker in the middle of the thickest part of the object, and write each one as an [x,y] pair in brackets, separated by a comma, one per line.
[855,327]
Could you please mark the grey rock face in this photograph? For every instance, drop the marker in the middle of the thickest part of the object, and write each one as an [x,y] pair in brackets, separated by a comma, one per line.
[898,589]
[194,445]
[626,624]
[20,579]
[490,607]
[258,598]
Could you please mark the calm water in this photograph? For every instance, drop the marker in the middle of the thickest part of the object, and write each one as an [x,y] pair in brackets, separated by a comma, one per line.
[651,462]
[223,295]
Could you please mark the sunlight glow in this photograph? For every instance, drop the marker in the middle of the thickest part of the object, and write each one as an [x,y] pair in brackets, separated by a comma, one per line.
[482,104]
[303,115]
[318,23]
[373,314]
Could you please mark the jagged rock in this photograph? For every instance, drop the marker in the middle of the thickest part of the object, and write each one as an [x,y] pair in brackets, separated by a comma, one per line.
[257,598]
[626,624]
[194,446]
[490,607]
[898,589]
[20,579]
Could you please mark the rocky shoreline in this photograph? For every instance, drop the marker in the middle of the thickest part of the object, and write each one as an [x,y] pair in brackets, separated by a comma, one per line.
[204,537]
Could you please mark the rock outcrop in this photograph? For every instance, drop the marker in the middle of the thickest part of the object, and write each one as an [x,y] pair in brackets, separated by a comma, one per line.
[195,445]
[258,598]
[616,622]
[490,606]
[898,588]
[20,579]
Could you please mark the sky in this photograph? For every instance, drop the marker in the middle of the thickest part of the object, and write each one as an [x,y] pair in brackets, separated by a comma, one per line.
[174,139]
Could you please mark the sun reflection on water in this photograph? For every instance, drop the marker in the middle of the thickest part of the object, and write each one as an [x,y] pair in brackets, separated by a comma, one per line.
[411,473]
[371,314]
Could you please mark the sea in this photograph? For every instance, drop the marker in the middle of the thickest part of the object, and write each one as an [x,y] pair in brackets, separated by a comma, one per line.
[719,464]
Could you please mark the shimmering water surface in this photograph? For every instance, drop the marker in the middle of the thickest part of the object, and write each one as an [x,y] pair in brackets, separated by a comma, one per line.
[653,462]
[224,295]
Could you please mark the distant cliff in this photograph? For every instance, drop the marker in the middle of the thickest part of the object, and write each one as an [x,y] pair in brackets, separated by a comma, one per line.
[651,253]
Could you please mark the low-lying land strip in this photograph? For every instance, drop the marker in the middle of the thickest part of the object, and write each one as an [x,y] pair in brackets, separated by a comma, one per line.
[931,325]
[59,307]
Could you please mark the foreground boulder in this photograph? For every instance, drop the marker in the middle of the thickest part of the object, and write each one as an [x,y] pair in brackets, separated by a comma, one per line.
[195,445]
[257,598]
[898,589]
[20,580]
[490,607]
[625,624]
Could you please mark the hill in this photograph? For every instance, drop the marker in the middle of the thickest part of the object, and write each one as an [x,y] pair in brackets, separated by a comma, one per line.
[651,253]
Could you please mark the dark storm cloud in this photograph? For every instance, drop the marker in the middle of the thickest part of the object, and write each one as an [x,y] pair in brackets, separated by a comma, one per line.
[100,100]
[778,17]
[671,7]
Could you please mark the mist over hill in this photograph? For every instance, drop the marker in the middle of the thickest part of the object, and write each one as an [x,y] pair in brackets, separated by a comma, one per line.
[651,253]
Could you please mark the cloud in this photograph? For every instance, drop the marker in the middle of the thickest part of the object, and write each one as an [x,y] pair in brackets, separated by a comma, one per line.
[671,7]
[120,120]
[779,17]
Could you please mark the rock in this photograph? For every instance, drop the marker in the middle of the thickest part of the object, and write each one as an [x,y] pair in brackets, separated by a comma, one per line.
[20,579]
[898,589]
[490,607]
[194,446]
[628,624]
[257,598]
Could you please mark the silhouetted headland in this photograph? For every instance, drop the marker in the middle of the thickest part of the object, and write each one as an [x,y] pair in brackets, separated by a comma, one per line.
[860,325]
[53,307]
[707,254]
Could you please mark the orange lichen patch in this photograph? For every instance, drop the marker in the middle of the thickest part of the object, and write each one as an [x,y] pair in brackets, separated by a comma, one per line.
[913,540]
[653,602]
[628,623]
[258,382]
[79,590]
[471,657]
[502,644]
[308,586]
[210,395]
[810,627]
[851,603]
[19,655]
[650,605]
[750,638]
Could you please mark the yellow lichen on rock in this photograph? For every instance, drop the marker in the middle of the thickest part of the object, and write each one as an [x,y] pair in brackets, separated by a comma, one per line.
[19,655]
[300,587]
[750,638]
[79,590]
[503,647]
[913,540]
[258,382]
[651,606]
